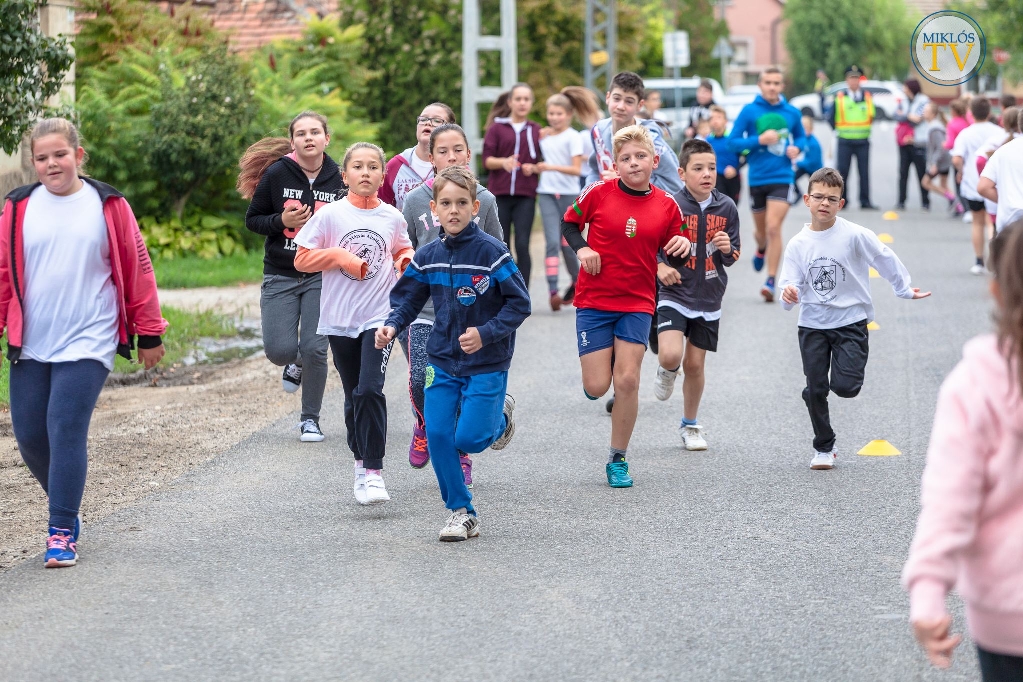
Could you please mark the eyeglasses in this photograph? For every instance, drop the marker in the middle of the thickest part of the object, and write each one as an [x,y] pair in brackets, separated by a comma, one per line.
[427,119]
[825,199]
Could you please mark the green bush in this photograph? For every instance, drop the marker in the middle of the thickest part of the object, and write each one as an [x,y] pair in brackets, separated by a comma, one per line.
[205,236]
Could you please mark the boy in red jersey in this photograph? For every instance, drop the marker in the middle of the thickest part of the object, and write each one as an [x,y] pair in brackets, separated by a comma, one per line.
[629,221]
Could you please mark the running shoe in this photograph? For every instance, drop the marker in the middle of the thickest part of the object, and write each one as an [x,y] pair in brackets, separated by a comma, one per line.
[665,383]
[359,489]
[618,475]
[78,528]
[758,260]
[310,431]
[509,430]
[976,269]
[292,378]
[767,291]
[569,295]
[418,451]
[376,493]
[460,526]
[610,405]
[692,439]
[466,463]
[823,460]
[556,301]
[61,549]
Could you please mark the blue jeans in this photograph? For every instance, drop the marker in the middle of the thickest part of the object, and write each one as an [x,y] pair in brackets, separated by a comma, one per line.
[462,414]
[51,407]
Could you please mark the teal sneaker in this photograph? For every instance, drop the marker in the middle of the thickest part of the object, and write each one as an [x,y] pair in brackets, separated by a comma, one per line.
[618,475]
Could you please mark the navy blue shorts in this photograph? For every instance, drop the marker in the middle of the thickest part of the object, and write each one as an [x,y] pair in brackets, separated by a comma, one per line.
[598,329]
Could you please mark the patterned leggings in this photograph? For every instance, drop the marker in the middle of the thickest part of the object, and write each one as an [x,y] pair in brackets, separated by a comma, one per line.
[413,342]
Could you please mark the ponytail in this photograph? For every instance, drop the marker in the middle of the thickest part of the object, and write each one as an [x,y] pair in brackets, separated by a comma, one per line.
[257,159]
[499,109]
[583,102]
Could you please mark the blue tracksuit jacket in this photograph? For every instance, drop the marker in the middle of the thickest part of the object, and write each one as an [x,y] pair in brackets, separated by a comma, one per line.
[768,165]
[474,283]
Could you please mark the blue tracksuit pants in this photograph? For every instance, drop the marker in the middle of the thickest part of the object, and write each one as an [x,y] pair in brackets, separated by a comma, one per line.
[463,414]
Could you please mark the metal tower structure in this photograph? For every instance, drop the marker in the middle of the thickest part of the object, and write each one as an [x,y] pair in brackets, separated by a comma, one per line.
[600,61]
[473,42]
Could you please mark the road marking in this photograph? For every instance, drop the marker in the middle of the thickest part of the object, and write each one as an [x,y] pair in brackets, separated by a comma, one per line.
[874,274]
[886,238]
[879,448]
[890,215]
[873,326]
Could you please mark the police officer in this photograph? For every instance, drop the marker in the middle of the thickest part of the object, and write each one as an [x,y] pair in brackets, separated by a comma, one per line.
[851,116]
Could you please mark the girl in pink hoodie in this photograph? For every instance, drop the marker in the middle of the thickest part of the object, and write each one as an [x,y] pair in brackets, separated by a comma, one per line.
[970,532]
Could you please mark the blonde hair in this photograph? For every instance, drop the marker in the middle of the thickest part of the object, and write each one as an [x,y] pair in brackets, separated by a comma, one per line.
[459,175]
[58,126]
[634,133]
[584,102]
[356,147]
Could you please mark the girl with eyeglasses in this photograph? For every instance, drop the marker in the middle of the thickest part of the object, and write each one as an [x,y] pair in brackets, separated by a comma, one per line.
[413,167]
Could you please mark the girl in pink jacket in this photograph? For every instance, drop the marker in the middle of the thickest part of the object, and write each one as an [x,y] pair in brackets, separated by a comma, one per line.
[76,289]
[970,532]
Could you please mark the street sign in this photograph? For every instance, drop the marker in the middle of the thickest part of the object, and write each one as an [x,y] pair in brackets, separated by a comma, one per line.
[676,49]
[722,49]
[1000,56]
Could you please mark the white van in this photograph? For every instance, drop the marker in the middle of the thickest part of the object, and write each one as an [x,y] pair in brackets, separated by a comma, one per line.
[677,115]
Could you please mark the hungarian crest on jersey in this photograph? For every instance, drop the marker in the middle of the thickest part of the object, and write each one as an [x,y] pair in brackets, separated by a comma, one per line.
[630,227]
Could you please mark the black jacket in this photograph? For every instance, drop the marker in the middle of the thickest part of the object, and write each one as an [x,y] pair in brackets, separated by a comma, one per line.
[703,274]
[285,181]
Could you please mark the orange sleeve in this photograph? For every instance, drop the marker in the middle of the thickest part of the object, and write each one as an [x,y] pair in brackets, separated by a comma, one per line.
[318,260]
[402,259]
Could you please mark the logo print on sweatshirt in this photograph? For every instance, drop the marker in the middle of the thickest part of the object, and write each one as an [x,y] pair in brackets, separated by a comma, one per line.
[370,247]
[630,227]
[823,279]
[466,295]
[480,283]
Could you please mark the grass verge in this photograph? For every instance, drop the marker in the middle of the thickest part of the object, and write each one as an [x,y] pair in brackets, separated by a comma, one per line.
[191,272]
[184,330]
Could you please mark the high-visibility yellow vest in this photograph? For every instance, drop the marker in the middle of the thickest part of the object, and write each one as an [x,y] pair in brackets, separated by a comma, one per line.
[853,119]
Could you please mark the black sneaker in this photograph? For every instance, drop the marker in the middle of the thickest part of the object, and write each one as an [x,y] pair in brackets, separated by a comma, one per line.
[569,295]
[310,432]
[292,378]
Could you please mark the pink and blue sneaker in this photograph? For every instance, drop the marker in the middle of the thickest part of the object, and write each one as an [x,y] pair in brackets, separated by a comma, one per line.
[61,548]
[418,450]
[466,463]
[758,260]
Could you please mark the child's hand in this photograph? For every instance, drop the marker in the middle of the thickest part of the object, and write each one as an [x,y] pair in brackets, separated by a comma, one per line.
[148,357]
[589,260]
[383,337]
[541,167]
[295,217]
[509,163]
[917,294]
[608,175]
[768,137]
[677,246]
[792,152]
[470,340]
[730,172]
[722,241]
[529,168]
[934,637]
[790,294]
[668,275]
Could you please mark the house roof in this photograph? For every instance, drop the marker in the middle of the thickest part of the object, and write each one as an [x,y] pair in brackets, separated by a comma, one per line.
[925,7]
[250,24]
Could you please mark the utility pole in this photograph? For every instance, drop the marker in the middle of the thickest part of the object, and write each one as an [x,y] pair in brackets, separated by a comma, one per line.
[473,42]
[600,61]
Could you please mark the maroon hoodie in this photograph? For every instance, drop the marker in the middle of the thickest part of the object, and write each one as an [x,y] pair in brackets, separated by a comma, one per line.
[501,141]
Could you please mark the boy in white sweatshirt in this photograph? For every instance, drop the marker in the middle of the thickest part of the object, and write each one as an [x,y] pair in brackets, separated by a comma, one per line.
[827,271]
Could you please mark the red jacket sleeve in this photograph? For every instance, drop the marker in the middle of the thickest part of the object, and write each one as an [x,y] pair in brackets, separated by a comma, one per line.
[6,290]
[386,191]
[141,303]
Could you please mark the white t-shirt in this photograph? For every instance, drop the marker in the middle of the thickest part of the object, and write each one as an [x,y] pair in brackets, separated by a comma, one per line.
[1005,168]
[348,307]
[70,299]
[831,270]
[559,150]
[967,143]
[517,127]
[422,168]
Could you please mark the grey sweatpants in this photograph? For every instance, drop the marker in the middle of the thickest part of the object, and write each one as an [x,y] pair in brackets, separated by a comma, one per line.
[552,210]
[284,303]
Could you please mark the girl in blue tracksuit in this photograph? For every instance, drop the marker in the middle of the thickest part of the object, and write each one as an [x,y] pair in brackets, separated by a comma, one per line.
[480,299]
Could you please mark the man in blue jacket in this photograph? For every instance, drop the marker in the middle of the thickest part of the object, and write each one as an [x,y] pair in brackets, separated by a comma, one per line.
[770,130]
[480,300]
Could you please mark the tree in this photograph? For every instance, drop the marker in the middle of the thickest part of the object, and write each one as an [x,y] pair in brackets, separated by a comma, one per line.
[32,68]
[1001,20]
[872,34]
[698,18]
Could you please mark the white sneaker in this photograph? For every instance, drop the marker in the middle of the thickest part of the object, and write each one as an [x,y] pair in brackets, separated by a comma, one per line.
[310,432]
[460,526]
[823,460]
[360,486]
[692,439]
[376,493]
[665,383]
[509,412]
[977,269]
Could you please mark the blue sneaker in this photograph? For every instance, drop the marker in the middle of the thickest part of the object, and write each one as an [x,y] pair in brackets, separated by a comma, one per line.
[618,475]
[61,549]
[767,291]
[78,529]
[758,260]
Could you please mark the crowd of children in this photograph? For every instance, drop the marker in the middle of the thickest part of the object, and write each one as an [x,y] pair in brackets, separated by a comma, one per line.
[416,249]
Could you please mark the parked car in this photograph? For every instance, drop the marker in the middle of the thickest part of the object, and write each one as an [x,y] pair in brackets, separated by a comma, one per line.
[887,97]
[738,96]
[677,115]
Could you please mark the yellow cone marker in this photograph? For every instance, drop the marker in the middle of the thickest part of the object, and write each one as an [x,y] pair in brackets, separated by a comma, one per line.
[885,238]
[874,274]
[879,448]
[873,326]
[890,215]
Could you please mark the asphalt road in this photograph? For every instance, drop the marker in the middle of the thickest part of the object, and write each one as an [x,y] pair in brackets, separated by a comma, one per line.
[734,564]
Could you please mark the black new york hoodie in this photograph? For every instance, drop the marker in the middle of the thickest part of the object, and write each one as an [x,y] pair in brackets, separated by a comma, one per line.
[285,184]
